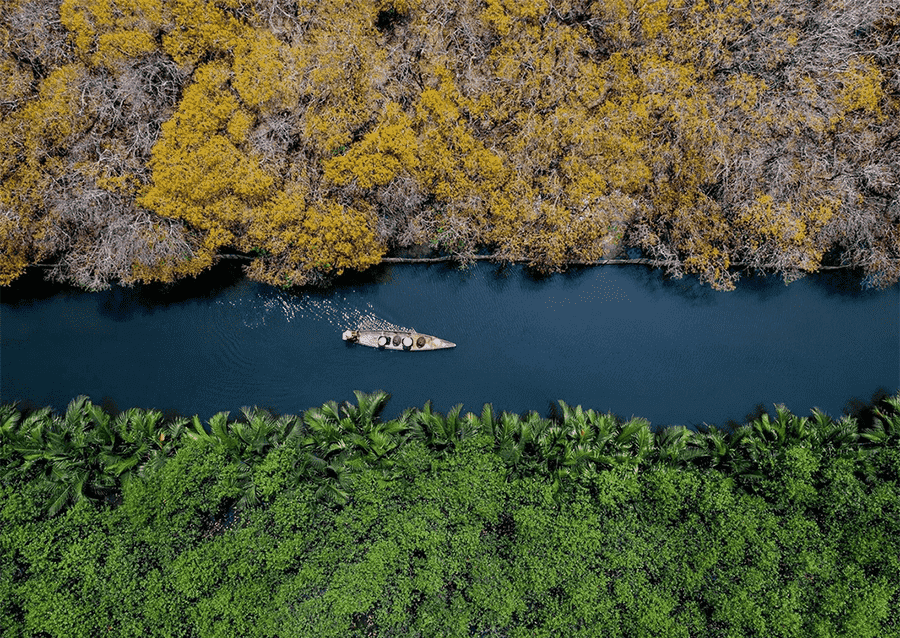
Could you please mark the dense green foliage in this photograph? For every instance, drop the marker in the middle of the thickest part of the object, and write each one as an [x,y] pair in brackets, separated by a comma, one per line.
[140,138]
[340,524]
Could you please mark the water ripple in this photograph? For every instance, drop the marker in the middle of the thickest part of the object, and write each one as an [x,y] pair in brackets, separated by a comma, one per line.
[337,311]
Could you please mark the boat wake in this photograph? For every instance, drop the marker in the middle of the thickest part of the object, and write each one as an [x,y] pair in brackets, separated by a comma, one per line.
[336,311]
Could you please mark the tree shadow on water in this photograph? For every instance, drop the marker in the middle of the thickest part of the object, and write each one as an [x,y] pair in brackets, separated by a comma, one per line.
[121,303]
[846,283]
[657,283]
[571,277]
[863,410]
[31,286]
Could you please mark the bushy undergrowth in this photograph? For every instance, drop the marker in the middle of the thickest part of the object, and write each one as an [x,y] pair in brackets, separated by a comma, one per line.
[339,524]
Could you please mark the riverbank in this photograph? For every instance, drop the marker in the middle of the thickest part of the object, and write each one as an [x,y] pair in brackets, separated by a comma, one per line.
[338,524]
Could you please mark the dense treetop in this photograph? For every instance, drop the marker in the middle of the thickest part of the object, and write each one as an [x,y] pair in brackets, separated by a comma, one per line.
[140,138]
[339,524]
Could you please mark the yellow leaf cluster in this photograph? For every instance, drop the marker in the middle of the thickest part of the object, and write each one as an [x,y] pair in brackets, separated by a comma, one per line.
[746,91]
[33,141]
[106,32]
[15,80]
[699,230]
[300,237]
[262,71]
[51,118]
[340,66]
[380,155]
[202,27]
[785,224]
[14,256]
[201,171]
[454,165]
[861,89]
[765,218]
[654,15]
[503,14]
[115,47]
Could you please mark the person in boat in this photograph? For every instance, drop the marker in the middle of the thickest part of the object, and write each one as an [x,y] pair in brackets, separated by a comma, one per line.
[396,340]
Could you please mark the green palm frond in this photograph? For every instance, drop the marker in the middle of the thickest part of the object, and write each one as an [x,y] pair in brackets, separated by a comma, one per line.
[573,418]
[152,464]
[117,465]
[333,492]
[368,408]
[437,432]
[9,418]
[643,442]
[510,452]
[630,430]
[10,458]
[77,414]
[886,429]
[487,422]
[331,411]
[60,496]
[671,444]
[99,417]
[292,431]
[198,432]
[249,497]
[218,426]
[174,431]
[456,427]
[509,426]
[840,436]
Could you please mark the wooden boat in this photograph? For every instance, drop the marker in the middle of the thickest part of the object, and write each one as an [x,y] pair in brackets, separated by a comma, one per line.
[392,340]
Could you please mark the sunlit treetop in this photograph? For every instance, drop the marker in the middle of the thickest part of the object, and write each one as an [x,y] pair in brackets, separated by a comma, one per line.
[706,133]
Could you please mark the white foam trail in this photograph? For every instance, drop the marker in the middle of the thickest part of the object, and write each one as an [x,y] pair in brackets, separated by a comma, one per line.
[336,311]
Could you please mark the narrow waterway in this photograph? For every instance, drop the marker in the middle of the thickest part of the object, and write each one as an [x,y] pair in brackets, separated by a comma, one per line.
[623,339]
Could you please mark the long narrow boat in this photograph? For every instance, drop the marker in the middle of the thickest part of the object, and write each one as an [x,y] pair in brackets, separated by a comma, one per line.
[393,340]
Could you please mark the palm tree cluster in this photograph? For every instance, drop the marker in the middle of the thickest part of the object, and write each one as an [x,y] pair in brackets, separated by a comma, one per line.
[86,454]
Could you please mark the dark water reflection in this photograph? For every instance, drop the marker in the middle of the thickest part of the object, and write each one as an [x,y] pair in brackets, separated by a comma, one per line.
[618,338]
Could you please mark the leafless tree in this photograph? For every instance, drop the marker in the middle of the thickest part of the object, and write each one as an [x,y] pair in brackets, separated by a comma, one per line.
[34,35]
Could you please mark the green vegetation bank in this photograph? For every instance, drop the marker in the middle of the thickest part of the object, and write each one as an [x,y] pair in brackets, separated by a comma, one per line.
[340,524]
[139,139]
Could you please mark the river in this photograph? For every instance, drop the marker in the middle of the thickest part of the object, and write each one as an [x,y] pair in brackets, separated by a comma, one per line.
[624,339]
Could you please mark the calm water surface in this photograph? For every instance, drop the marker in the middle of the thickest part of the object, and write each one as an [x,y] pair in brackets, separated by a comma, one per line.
[623,339]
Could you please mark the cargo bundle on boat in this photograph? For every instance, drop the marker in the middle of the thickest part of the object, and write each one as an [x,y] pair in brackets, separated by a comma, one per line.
[396,340]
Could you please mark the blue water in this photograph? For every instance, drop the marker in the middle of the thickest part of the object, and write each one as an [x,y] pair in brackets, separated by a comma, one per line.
[624,339]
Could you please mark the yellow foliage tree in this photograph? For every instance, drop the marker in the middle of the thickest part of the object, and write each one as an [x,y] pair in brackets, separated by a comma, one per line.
[201,170]
[32,140]
[341,69]
[106,32]
[784,233]
[708,133]
[263,74]
[299,238]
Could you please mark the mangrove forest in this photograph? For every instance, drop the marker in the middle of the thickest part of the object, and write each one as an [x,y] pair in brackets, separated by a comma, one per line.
[338,523]
[142,140]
